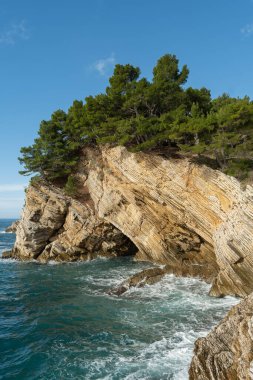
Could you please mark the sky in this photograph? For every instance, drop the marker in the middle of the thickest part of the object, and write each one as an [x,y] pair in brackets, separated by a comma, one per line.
[55,51]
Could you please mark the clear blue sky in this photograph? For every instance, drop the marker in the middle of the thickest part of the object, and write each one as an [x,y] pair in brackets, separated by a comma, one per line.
[55,51]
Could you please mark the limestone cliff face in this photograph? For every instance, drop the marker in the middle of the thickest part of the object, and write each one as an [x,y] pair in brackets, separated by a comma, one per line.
[227,352]
[195,220]
[56,227]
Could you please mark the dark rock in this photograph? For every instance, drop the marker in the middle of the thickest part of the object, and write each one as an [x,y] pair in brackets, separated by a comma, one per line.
[7,255]
[146,277]
[13,227]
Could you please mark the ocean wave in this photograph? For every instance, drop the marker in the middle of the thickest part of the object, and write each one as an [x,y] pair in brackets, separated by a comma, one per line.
[53,262]
[8,261]
[147,333]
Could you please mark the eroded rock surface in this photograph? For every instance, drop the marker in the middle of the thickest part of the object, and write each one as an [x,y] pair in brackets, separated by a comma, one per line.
[227,352]
[195,220]
[13,227]
[56,227]
[151,276]
[146,277]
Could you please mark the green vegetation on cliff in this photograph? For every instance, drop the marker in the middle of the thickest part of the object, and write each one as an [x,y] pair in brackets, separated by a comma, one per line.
[142,115]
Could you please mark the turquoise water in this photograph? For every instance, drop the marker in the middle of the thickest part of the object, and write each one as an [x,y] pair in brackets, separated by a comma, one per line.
[58,322]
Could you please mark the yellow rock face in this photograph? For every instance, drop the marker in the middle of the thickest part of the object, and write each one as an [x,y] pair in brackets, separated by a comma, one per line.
[56,227]
[191,217]
[226,353]
[196,220]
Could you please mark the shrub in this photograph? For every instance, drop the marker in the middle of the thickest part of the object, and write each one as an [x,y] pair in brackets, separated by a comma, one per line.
[71,186]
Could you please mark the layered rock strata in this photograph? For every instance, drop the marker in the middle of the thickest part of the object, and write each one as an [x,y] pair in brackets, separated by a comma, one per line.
[227,352]
[192,218]
[57,227]
[148,276]
[195,220]
[12,228]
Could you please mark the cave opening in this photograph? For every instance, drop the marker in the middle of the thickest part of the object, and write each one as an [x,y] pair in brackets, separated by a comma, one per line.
[126,246]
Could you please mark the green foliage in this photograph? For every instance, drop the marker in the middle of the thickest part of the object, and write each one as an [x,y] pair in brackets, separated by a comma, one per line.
[71,186]
[35,180]
[239,168]
[52,154]
[143,115]
[201,97]
[167,73]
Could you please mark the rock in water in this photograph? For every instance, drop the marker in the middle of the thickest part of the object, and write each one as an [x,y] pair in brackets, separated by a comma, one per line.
[13,227]
[146,277]
[227,352]
[7,255]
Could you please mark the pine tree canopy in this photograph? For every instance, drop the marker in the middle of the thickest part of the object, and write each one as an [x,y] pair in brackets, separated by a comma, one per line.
[156,115]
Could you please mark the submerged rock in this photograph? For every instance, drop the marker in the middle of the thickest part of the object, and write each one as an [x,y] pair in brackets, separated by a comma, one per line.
[7,255]
[227,352]
[146,277]
[13,227]
[151,276]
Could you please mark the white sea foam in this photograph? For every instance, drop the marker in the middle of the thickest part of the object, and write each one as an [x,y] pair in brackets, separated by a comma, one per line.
[7,261]
[147,333]
[53,262]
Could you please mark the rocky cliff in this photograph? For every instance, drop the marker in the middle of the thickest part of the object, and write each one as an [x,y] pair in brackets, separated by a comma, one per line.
[227,352]
[56,227]
[195,220]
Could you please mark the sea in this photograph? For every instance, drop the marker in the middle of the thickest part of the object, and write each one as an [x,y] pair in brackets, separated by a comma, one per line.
[57,321]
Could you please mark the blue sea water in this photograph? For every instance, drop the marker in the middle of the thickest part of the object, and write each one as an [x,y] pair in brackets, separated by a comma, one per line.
[58,322]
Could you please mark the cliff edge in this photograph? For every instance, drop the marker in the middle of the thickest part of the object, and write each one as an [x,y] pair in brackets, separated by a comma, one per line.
[194,220]
[227,352]
[191,218]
